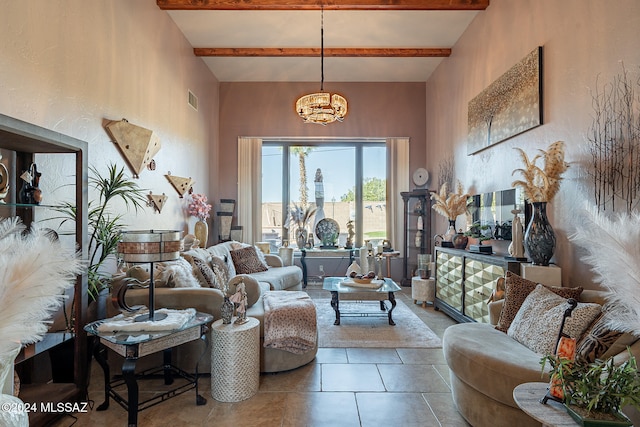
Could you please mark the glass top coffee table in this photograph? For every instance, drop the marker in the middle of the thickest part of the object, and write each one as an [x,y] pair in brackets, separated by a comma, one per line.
[342,288]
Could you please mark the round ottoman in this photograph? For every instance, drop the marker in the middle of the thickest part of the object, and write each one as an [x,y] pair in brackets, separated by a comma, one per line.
[423,290]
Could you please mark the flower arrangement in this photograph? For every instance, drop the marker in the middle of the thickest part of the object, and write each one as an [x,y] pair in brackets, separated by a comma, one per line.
[199,207]
[450,205]
[542,184]
[301,216]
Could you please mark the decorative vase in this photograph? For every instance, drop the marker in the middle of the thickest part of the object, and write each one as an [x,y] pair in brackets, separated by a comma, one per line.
[447,238]
[201,231]
[539,239]
[226,311]
[301,238]
[460,241]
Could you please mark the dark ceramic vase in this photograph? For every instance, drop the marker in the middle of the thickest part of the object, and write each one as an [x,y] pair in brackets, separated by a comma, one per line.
[539,239]
[226,311]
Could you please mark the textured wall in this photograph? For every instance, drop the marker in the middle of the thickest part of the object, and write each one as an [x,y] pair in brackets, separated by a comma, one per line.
[268,110]
[72,65]
[583,40]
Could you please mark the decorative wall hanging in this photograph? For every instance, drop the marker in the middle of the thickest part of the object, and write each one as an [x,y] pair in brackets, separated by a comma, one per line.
[509,106]
[157,201]
[182,185]
[137,144]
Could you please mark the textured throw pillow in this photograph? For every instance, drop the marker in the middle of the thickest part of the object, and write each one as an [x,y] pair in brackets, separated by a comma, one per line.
[516,291]
[220,271]
[597,340]
[179,274]
[538,321]
[205,271]
[246,261]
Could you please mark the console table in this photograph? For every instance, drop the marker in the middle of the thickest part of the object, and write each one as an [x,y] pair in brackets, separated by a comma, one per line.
[132,346]
[323,253]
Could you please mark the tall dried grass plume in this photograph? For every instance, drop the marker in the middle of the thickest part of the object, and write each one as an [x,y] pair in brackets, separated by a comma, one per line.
[542,184]
[450,205]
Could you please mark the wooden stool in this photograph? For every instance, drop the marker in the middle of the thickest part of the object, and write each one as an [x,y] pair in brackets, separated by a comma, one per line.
[423,290]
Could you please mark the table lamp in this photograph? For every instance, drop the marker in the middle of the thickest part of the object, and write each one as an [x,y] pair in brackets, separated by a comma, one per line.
[149,246]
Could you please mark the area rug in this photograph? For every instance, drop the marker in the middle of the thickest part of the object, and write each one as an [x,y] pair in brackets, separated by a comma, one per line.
[372,332]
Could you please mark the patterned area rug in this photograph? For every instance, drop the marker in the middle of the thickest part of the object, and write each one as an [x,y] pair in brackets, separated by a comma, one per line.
[372,332]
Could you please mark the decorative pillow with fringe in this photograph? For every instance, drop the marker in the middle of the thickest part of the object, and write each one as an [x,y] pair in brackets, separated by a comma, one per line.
[179,274]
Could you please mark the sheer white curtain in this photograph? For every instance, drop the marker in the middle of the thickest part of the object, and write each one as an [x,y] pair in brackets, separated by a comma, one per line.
[397,181]
[250,188]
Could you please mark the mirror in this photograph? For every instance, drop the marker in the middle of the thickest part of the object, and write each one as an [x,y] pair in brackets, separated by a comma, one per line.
[494,210]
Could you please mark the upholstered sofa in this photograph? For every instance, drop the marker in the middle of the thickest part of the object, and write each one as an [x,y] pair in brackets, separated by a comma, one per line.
[170,293]
[486,364]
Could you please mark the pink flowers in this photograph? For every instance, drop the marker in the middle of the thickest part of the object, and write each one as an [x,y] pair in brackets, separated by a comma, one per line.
[199,207]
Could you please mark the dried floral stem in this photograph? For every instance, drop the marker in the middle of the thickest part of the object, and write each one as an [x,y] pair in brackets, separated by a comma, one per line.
[450,205]
[542,184]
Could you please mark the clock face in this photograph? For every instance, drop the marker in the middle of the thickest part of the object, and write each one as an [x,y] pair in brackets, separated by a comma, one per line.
[420,177]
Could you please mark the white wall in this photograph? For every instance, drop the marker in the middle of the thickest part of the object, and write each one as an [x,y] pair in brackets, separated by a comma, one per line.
[582,40]
[73,65]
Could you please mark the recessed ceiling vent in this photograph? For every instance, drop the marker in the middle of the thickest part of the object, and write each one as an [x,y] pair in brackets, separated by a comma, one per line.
[193,101]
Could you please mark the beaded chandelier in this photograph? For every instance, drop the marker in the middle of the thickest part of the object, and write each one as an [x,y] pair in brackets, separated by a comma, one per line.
[321,107]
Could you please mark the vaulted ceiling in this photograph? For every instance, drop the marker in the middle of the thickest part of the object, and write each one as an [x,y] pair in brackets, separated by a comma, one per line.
[364,40]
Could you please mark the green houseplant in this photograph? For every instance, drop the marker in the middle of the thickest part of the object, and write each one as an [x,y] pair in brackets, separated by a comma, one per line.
[595,392]
[105,226]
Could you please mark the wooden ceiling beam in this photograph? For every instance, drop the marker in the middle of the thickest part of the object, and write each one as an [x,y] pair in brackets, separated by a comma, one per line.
[325,4]
[328,52]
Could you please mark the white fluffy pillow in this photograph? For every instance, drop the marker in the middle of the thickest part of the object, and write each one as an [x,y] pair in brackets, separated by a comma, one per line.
[537,323]
[179,274]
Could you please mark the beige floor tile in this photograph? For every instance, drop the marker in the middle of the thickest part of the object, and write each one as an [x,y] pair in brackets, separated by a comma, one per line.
[261,410]
[305,378]
[443,407]
[412,379]
[373,355]
[331,355]
[421,356]
[394,409]
[345,377]
[321,409]
[443,370]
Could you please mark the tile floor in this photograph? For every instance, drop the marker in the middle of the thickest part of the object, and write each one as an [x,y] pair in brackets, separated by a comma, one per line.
[340,388]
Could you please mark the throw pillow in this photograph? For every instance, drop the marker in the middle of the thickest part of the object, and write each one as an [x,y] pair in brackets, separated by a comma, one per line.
[246,261]
[220,270]
[516,291]
[597,340]
[179,274]
[206,271]
[538,321]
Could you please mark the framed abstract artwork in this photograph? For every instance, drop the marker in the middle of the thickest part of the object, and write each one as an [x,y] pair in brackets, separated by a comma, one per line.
[510,106]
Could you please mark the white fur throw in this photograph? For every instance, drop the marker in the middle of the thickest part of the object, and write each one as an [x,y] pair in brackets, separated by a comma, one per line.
[179,274]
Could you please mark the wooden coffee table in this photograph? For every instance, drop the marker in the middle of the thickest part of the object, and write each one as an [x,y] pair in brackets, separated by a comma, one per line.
[552,414]
[340,291]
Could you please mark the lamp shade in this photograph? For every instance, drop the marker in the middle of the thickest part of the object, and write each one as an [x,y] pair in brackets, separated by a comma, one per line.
[149,246]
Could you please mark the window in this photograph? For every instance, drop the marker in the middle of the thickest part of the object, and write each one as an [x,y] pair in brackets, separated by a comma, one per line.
[343,180]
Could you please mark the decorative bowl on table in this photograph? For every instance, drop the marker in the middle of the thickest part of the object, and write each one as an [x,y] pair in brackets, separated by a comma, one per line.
[362,280]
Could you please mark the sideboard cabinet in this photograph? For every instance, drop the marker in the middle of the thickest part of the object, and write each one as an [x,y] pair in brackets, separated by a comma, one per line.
[465,281]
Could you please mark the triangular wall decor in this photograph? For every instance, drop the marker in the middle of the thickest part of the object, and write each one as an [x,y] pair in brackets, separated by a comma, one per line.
[157,201]
[137,144]
[181,184]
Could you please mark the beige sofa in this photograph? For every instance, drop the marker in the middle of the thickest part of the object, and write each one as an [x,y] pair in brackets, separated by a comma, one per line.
[209,300]
[486,364]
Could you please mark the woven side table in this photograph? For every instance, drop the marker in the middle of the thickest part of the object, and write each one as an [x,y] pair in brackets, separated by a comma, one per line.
[423,290]
[235,360]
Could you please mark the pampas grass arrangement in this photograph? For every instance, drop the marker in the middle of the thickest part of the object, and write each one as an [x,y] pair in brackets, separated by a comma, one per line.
[542,184]
[450,205]
[35,272]
[613,250]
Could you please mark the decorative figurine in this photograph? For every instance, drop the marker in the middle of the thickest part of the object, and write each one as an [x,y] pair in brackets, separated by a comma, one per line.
[240,298]
[350,234]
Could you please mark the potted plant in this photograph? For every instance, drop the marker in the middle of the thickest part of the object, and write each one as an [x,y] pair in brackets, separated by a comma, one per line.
[105,226]
[594,393]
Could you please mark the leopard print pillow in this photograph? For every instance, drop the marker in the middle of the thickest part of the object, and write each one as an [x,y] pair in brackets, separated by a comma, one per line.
[205,271]
[516,291]
[246,261]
